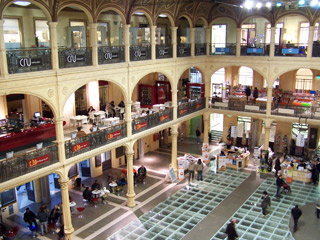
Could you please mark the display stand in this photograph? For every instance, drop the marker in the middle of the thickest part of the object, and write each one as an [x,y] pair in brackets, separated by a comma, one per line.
[147,95]
[195,90]
[163,89]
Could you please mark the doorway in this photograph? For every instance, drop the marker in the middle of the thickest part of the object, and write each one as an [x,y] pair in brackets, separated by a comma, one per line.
[84,168]
[25,194]
[106,161]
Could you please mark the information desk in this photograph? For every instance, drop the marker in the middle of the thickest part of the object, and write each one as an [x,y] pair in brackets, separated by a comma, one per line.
[239,162]
[302,176]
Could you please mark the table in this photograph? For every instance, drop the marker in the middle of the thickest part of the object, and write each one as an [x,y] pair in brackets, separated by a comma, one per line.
[112,185]
[99,115]
[72,204]
[111,121]
[78,120]
[96,193]
[158,107]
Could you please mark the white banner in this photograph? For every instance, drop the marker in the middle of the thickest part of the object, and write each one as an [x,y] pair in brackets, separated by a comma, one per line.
[234,131]
[300,140]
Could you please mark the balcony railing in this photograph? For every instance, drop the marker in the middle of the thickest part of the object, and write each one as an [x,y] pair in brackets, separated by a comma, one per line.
[29,162]
[291,50]
[114,54]
[163,51]
[295,111]
[260,49]
[200,49]
[94,140]
[75,57]
[152,120]
[183,50]
[28,60]
[316,49]
[223,49]
[191,107]
[140,53]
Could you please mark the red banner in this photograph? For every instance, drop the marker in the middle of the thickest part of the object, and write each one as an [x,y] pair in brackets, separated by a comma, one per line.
[183,111]
[38,160]
[113,134]
[199,105]
[141,125]
[80,146]
[164,117]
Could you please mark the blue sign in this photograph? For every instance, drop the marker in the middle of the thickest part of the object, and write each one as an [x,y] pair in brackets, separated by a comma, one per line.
[255,50]
[222,50]
[290,51]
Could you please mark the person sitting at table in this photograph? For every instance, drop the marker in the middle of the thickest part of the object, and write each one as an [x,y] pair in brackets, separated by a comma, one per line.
[143,113]
[95,185]
[94,127]
[87,194]
[81,133]
[90,110]
[122,180]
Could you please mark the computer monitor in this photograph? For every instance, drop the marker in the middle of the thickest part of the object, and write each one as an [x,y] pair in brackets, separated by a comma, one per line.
[37,114]
[74,135]
[9,154]
[39,145]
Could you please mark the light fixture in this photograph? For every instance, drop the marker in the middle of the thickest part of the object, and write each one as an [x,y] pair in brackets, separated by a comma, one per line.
[302,2]
[279,4]
[314,3]
[139,13]
[269,4]
[22,3]
[163,15]
[248,4]
[258,5]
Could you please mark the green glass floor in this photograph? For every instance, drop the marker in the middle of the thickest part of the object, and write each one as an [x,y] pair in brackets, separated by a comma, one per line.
[252,226]
[177,215]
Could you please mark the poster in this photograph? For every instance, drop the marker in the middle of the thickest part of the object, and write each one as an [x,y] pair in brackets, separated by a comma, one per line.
[300,140]
[180,173]
[172,175]
[234,131]
[222,164]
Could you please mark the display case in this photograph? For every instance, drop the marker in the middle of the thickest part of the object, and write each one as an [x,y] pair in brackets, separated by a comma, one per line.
[217,90]
[163,90]
[147,95]
[195,90]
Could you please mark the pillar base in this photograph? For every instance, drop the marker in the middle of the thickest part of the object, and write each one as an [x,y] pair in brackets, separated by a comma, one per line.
[68,234]
[130,200]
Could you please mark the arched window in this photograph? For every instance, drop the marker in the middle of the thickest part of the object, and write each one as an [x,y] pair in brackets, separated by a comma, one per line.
[304,79]
[246,76]
[219,76]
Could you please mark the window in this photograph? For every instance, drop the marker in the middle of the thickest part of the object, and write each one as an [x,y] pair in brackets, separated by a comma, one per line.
[248,34]
[195,76]
[277,33]
[12,33]
[304,33]
[219,76]
[244,126]
[304,79]
[219,35]
[316,32]
[120,151]
[246,76]
[300,128]
[42,32]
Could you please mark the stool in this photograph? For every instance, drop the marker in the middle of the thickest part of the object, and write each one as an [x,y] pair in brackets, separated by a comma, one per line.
[80,210]
[95,201]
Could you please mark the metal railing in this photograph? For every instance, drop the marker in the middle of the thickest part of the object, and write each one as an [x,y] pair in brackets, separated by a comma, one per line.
[29,162]
[28,60]
[316,49]
[260,49]
[295,111]
[200,49]
[75,57]
[140,53]
[113,54]
[223,49]
[163,51]
[94,140]
[183,50]
[291,50]
[152,120]
[191,107]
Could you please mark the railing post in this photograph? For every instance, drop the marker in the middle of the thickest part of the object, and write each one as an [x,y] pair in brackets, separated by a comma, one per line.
[94,43]
[310,42]
[153,42]
[272,41]
[174,138]
[174,41]
[238,42]
[3,53]
[130,193]
[126,37]
[208,37]
[192,41]
[128,118]
[60,139]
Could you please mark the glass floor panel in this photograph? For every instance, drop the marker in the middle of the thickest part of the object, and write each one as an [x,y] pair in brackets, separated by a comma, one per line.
[251,224]
[181,212]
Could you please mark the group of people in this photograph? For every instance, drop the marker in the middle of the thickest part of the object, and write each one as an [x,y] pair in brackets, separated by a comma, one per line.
[198,167]
[255,93]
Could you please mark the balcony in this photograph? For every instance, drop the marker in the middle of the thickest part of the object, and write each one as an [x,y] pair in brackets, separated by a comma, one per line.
[29,162]
[191,107]
[260,49]
[163,51]
[295,111]
[291,50]
[75,57]
[223,49]
[200,49]
[140,53]
[107,55]
[152,120]
[94,140]
[183,50]
[28,60]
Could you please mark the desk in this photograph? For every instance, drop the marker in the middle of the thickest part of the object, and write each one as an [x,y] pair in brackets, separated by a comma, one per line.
[112,185]
[99,116]
[78,120]
[96,193]
[111,121]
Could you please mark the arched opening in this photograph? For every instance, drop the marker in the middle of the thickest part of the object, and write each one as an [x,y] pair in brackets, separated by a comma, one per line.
[200,37]
[183,38]
[304,79]
[245,76]
[163,37]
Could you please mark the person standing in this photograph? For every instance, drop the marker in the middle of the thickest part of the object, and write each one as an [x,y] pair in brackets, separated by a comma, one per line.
[255,94]
[29,217]
[43,219]
[248,92]
[199,168]
[277,166]
[296,214]
[191,168]
[265,203]
[231,230]
[198,134]
[279,183]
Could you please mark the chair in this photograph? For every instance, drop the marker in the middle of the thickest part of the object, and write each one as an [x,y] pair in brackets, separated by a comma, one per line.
[85,202]
[13,231]
[80,210]
[118,189]
[95,201]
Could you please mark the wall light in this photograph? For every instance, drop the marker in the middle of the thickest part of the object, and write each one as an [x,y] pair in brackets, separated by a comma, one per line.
[258,5]
[163,15]
[302,2]
[314,3]
[22,3]
[269,4]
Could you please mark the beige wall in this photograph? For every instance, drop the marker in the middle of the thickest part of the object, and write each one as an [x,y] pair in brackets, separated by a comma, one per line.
[227,121]
[287,81]
[231,28]
[291,27]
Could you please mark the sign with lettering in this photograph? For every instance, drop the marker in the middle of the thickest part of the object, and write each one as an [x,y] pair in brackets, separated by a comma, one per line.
[110,55]
[162,52]
[28,62]
[183,111]
[80,146]
[38,160]
[75,58]
[113,135]
[141,125]
[300,140]
[199,105]
[164,117]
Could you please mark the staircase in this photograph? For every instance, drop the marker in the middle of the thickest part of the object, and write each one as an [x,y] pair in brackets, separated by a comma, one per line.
[216,136]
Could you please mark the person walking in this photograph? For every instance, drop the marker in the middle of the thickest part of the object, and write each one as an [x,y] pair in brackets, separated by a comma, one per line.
[191,168]
[29,217]
[43,219]
[198,134]
[265,203]
[296,214]
[231,230]
[277,167]
[199,168]
[279,183]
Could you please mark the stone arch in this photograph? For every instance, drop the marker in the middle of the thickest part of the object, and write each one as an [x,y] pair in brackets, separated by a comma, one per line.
[214,19]
[182,70]
[81,7]
[203,19]
[186,17]
[147,14]
[121,14]
[291,13]
[168,15]
[254,16]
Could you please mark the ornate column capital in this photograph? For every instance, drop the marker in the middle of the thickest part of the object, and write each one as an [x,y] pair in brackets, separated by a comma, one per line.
[64,183]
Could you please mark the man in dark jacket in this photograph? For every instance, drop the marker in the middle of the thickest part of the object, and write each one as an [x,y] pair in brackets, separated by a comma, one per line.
[265,203]
[87,194]
[231,230]
[296,214]
[248,92]
[29,217]
[279,182]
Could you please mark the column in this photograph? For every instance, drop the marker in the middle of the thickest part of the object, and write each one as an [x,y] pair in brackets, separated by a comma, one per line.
[175,103]
[54,45]
[207,93]
[60,139]
[128,118]
[94,43]
[45,189]
[174,41]
[153,42]
[272,41]
[310,42]
[269,100]
[238,42]
[3,54]
[206,122]
[130,192]
[174,139]
[126,37]
[68,228]
[267,128]
[192,41]
[208,37]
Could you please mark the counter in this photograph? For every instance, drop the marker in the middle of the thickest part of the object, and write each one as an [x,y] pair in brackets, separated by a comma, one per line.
[239,162]
[302,176]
